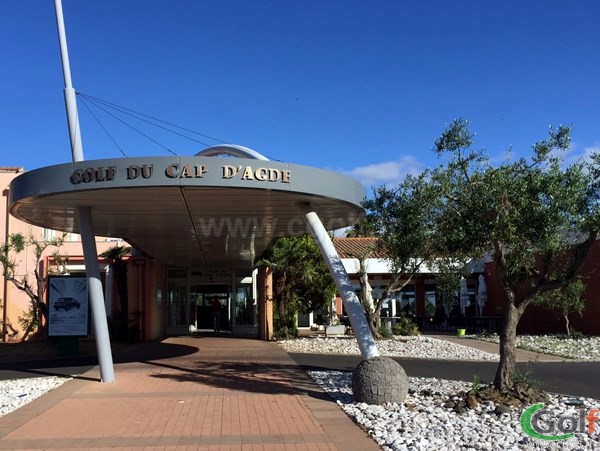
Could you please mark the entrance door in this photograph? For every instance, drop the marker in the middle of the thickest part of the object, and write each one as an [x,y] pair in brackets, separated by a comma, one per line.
[190,296]
[201,297]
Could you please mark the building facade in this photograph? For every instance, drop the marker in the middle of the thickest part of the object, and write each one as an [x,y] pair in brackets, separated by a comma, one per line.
[172,281]
[419,299]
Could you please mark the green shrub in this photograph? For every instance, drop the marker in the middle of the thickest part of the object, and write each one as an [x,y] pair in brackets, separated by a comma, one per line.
[284,332]
[406,327]
[525,378]
[283,329]
[576,335]
[384,330]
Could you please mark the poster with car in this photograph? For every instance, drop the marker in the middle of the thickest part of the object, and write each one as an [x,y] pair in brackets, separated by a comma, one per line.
[67,306]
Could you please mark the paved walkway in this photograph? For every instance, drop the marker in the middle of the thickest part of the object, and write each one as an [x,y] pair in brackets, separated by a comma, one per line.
[188,393]
[492,348]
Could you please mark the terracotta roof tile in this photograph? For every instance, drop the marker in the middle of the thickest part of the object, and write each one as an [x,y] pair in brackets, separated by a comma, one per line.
[357,247]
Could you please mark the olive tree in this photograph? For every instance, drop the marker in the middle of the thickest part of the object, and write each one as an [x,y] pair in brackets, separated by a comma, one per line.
[535,218]
[35,319]
[373,306]
[400,217]
[564,301]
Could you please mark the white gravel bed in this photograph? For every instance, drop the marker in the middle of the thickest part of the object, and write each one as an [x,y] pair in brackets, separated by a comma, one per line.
[16,393]
[587,348]
[423,422]
[414,347]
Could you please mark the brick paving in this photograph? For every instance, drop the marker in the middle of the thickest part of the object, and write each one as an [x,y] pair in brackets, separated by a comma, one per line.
[189,393]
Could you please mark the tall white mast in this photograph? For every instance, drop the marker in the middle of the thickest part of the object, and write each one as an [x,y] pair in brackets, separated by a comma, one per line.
[86,228]
[70,95]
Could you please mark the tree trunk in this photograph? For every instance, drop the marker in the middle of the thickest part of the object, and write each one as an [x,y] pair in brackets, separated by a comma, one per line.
[376,320]
[368,303]
[28,331]
[373,320]
[35,323]
[504,380]
[282,312]
[567,325]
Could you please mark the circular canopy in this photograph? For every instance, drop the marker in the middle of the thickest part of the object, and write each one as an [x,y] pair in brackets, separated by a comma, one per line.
[194,210]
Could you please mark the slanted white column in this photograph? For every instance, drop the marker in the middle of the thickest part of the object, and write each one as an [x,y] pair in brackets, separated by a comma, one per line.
[92,269]
[86,228]
[356,313]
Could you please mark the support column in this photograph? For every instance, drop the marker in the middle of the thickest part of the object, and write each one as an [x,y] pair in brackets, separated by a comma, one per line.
[92,268]
[356,313]
[264,281]
[376,380]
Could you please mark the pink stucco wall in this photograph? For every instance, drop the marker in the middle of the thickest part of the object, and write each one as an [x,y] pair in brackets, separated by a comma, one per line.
[16,301]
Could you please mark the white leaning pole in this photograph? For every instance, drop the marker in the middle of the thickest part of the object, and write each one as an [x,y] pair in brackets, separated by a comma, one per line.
[88,240]
[356,313]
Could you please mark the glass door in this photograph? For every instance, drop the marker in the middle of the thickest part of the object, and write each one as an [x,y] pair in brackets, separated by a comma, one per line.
[245,308]
[194,296]
[177,308]
[201,298]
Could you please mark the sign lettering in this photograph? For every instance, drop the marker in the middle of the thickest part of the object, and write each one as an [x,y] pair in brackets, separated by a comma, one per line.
[186,172]
[176,170]
[93,175]
[134,171]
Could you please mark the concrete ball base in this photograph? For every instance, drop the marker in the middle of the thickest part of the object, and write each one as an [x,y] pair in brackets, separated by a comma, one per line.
[379,380]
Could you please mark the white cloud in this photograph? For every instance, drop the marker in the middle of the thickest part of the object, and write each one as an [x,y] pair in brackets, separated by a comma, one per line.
[341,233]
[507,156]
[576,152]
[388,172]
[588,151]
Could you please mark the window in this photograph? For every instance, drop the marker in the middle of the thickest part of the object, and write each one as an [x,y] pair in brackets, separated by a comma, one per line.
[48,234]
[430,304]
[406,301]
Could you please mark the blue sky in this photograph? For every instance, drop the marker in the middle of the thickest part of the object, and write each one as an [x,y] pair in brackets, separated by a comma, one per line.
[360,87]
